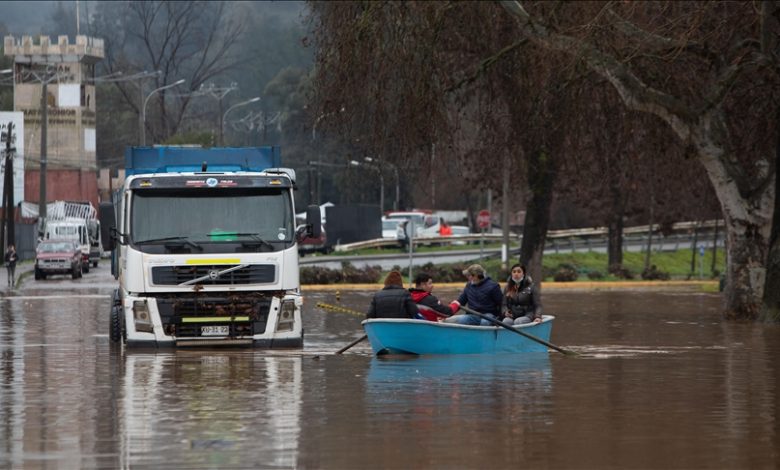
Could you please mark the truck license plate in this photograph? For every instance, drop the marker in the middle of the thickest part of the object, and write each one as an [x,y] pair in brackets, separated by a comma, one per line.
[221,330]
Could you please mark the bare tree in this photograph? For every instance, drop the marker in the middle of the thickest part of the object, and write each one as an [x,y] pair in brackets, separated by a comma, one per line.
[193,40]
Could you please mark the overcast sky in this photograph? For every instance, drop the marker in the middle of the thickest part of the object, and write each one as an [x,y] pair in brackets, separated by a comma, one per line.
[30,17]
[25,17]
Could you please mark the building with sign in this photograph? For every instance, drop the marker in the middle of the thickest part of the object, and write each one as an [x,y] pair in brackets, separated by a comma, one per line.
[66,71]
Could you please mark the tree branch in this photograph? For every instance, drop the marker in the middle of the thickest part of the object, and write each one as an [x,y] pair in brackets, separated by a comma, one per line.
[636,94]
[486,64]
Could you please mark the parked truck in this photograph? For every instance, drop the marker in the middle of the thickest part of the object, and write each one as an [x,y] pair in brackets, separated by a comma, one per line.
[204,246]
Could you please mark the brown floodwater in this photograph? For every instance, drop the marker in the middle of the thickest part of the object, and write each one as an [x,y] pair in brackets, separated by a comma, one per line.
[662,382]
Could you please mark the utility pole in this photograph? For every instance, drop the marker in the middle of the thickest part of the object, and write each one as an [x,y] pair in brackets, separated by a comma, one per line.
[8,192]
[44,126]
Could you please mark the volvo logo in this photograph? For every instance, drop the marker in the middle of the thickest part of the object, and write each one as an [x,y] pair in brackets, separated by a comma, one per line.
[213,274]
[211,182]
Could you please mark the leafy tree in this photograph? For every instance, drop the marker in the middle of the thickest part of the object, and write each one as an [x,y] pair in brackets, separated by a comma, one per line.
[710,72]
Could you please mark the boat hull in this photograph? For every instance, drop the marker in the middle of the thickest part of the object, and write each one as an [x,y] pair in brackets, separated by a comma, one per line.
[406,336]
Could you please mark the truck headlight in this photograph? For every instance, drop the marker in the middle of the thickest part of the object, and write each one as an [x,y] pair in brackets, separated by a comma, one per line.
[143,321]
[286,316]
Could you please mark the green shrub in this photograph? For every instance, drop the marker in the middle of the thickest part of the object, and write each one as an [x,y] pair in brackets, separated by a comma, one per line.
[620,272]
[565,273]
[653,273]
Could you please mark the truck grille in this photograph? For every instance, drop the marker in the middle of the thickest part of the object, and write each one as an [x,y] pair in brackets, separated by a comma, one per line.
[252,274]
[253,305]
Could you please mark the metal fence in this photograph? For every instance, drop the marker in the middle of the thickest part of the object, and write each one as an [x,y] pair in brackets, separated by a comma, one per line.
[26,237]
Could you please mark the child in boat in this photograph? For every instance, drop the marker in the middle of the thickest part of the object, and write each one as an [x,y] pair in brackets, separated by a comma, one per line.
[429,306]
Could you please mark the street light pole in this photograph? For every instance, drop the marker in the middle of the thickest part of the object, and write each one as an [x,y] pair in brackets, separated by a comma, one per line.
[224,116]
[381,182]
[319,154]
[396,203]
[146,101]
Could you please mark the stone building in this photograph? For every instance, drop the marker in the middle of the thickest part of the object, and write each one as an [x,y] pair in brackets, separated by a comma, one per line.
[69,70]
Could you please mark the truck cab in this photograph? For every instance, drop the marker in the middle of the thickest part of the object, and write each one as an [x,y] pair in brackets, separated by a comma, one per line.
[205,248]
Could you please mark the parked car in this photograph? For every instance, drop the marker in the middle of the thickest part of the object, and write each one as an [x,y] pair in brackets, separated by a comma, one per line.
[58,257]
[393,228]
[315,245]
[460,230]
[425,224]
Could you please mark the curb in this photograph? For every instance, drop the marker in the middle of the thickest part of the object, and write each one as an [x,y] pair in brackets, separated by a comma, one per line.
[562,286]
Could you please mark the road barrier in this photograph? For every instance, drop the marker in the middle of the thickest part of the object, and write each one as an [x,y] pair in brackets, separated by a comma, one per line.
[571,239]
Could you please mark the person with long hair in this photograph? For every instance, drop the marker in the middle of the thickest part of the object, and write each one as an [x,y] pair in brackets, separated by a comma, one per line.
[522,300]
[393,301]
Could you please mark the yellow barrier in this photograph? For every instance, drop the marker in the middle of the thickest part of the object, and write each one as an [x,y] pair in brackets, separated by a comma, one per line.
[337,308]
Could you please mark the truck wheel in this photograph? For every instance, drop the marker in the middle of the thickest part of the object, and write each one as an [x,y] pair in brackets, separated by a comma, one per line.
[37,274]
[94,264]
[115,325]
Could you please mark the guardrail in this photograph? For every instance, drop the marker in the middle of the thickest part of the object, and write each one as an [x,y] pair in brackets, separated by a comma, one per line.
[574,238]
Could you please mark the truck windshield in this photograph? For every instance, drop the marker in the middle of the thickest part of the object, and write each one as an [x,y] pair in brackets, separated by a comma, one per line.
[212,215]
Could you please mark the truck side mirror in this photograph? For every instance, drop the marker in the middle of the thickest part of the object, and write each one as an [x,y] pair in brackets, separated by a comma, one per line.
[314,221]
[107,225]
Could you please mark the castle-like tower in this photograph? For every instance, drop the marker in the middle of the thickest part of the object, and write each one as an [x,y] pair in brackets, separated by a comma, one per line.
[68,70]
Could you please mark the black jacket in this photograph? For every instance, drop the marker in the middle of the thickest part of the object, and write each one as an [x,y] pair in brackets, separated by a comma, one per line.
[10,259]
[523,302]
[392,302]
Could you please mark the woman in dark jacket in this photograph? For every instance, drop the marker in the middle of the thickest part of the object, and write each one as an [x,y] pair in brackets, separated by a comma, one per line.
[393,301]
[522,300]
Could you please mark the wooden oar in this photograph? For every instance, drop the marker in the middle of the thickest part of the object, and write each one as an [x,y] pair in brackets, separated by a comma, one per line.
[519,332]
[362,338]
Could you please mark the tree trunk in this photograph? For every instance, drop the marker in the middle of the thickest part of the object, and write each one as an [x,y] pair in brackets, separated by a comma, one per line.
[615,229]
[770,310]
[615,243]
[541,178]
[745,270]
[714,250]
[649,235]
[694,244]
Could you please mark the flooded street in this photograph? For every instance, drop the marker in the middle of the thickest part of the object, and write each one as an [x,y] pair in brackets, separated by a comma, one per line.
[661,382]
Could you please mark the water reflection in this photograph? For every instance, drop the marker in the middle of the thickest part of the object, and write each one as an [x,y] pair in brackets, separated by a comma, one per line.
[662,383]
[443,402]
[218,408]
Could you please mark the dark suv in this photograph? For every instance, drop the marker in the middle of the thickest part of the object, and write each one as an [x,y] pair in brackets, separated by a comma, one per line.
[57,257]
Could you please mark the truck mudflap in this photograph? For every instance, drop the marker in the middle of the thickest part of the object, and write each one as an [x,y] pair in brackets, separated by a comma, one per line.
[267,320]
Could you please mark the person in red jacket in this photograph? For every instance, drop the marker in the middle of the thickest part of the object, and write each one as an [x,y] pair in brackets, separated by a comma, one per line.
[429,306]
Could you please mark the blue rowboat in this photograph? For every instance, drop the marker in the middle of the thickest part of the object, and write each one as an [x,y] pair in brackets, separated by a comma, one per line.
[406,336]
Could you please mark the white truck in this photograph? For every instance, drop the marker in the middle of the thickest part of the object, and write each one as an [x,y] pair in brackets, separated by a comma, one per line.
[76,221]
[205,249]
